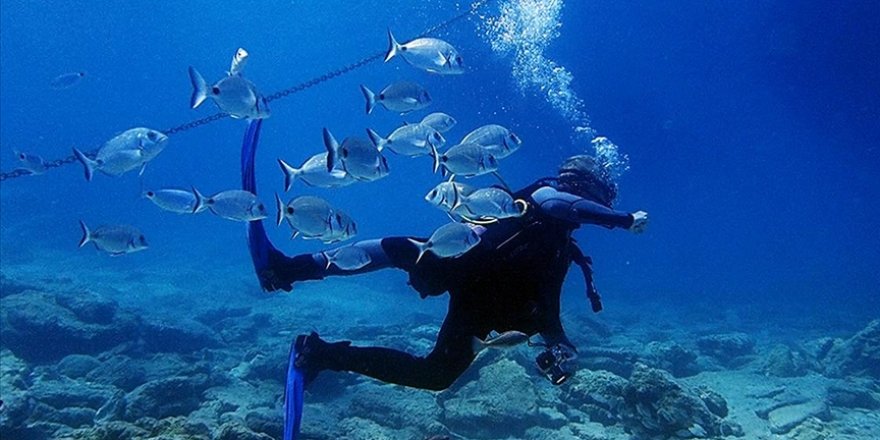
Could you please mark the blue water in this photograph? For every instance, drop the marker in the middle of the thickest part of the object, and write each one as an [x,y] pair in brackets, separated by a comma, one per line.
[751,129]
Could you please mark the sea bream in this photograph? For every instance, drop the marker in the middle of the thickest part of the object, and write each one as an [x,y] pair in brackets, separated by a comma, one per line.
[347,258]
[408,140]
[400,97]
[180,201]
[234,204]
[314,173]
[489,204]
[233,94]
[466,160]
[31,163]
[308,216]
[130,150]
[439,121]
[448,195]
[448,241]
[114,239]
[358,157]
[496,139]
[431,54]
[342,227]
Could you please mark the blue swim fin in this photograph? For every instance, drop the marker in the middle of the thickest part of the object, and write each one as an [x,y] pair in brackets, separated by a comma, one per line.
[293,397]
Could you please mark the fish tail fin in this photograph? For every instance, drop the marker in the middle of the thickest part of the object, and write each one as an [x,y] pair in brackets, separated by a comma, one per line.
[393,47]
[280,208]
[329,261]
[200,88]
[290,174]
[477,345]
[200,201]
[422,247]
[370,97]
[434,154]
[377,139]
[89,164]
[332,149]
[87,235]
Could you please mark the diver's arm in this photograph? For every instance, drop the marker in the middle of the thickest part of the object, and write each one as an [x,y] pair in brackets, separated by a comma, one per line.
[555,335]
[566,206]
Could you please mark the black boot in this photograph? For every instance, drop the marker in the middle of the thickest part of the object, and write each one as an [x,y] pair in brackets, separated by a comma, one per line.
[282,271]
[313,355]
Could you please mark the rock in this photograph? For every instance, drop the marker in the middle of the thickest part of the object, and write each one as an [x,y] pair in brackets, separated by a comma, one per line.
[234,431]
[174,396]
[179,336]
[715,403]
[400,408]
[672,357]
[88,306]
[38,329]
[783,362]
[74,416]
[63,392]
[856,356]
[501,403]
[845,395]
[656,405]
[120,371]
[265,421]
[9,286]
[596,393]
[114,430]
[617,361]
[786,418]
[726,348]
[76,366]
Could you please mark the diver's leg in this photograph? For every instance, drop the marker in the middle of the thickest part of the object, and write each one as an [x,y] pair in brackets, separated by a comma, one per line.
[450,357]
[384,253]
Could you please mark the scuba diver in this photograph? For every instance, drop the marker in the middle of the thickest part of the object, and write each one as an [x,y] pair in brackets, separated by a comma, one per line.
[511,280]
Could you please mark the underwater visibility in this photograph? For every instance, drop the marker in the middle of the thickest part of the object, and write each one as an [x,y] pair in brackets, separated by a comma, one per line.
[438,220]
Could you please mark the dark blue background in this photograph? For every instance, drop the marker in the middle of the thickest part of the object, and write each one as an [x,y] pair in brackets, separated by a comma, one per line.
[752,129]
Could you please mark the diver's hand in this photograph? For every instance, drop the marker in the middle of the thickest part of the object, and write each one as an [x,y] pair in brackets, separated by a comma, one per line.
[640,222]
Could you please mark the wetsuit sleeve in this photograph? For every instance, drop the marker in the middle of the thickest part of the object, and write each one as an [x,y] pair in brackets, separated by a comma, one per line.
[569,207]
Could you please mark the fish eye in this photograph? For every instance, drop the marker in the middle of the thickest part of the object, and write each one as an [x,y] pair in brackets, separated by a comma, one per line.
[345,152]
[458,59]
[150,194]
[22,156]
[152,136]
[215,90]
[261,208]
[290,210]
[437,136]
[433,194]
[142,240]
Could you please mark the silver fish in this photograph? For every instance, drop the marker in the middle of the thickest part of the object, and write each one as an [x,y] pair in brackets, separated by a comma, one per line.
[439,121]
[429,54]
[308,216]
[31,163]
[67,80]
[448,195]
[400,97]
[314,173]
[234,204]
[504,340]
[233,94]
[449,240]
[408,140]
[489,204]
[496,139]
[180,201]
[342,227]
[467,160]
[347,258]
[130,150]
[358,157]
[239,60]
[114,239]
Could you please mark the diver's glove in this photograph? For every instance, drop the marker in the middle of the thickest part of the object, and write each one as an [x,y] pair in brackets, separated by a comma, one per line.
[282,271]
[554,363]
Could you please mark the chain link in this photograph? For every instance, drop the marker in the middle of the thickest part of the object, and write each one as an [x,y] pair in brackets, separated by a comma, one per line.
[275,96]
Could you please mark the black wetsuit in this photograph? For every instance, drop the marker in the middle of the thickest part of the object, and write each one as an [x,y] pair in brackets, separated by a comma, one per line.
[511,280]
